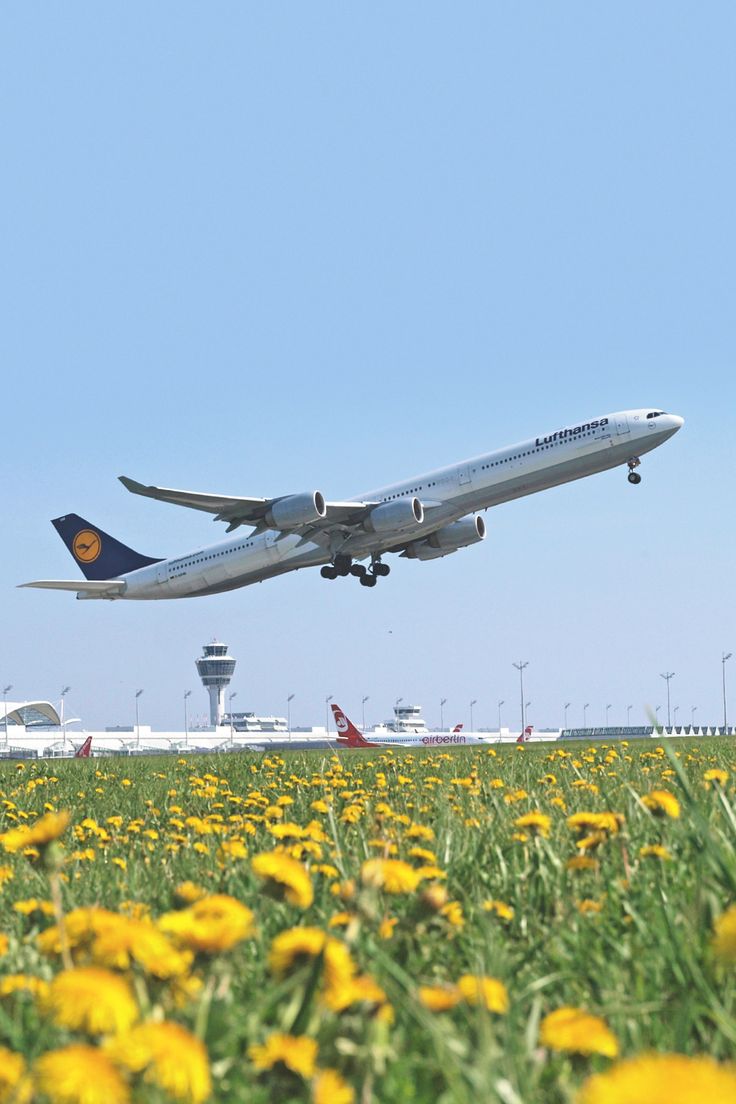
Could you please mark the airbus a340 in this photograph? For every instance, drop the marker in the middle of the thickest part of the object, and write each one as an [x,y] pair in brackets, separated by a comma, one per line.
[423,518]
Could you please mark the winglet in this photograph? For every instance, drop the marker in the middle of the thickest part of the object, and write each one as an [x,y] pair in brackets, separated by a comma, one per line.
[347,734]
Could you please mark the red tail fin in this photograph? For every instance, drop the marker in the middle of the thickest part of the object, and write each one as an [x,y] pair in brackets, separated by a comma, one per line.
[525,735]
[458,728]
[347,734]
[85,750]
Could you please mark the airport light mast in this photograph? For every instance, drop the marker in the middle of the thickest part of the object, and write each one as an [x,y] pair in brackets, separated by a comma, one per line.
[215,668]
[667,676]
[520,668]
[725,656]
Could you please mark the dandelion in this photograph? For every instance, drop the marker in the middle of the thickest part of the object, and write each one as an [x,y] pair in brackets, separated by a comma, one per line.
[716,776]
[210,925]
[538,823]
[285,878]
[662,1079]
[439,998]
[12,1071]
[393,875]
[47,829]
[329,1087]
[23,983]
[486,991]
[168,1056]
[655,851]
[724,937]
[189,892]
[297,1052]
[582,862]
[91,1000]
[576,1031]
[662,803]
[292,949]
[595,822]
[125,941]
[79,1074]
[499,909]
[588,906]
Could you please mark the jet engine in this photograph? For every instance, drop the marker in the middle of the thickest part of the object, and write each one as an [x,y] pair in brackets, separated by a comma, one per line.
[395,517]
[450,538]
[293,511]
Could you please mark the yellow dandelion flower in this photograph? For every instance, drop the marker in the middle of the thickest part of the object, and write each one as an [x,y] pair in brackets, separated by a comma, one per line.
[393,875]
[453,914]
[500,909]
[33,904]
[125,941]
[12,1071]
[79,1074]
[386,927]
[439,998]
[578,1032]
[588,906]
[6,874]
[655,851]
[329,1087]
[285,878]
[719,777]
[210,925]
[582,862]
[291,949]
[662,803]
[92,1000]
[355,990]
[486,991]
[724,936]
[189,892]
[583,823]
[47,829]
[23,983]
[662,1079]
[297,1052]
[168,1056]
[538,823]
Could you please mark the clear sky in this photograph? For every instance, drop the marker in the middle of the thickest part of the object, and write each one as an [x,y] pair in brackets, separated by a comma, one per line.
[265,248]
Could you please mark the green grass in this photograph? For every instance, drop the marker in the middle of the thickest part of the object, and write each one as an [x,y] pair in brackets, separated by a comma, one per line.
[641,959]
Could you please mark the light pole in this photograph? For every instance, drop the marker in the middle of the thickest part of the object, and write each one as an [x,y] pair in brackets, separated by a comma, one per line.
[520,668]
[667,676]
[362,707]
[585,710]
[328,699]
[567,706]
[289,700]
[628,715]
[473,702]
[500,703]
[526,710]
[693,711]
[234,694]
[724,657]
[64,693]
[443,702]
[6,691]
[607,709]
[137,726]
[186,719]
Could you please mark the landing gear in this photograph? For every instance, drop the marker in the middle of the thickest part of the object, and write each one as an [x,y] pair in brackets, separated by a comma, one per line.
[358,570]
[381,569]
[328,572]
[369,579]
[343,566]
[634,476]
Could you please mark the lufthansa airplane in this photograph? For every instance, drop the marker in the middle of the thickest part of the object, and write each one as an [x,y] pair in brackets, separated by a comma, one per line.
[423,518]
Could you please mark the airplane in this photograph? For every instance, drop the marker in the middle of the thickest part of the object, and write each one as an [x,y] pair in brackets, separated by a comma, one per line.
[348,736]
[84,750]
[423,518]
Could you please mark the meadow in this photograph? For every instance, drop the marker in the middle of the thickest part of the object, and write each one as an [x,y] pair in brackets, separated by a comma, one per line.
[526,925]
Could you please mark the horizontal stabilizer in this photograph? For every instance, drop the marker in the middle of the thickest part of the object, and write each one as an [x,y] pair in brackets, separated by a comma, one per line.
[87,588]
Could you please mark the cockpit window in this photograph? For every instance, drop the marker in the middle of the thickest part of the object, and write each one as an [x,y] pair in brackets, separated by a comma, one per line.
[656,413]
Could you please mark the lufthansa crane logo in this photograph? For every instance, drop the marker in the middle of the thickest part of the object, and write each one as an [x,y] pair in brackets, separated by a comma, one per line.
[87,546]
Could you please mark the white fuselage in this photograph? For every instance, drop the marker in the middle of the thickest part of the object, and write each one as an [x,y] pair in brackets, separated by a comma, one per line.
[446,494]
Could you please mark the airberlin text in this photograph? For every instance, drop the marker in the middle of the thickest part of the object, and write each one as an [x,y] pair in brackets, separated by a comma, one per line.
[561,434]
[450,738]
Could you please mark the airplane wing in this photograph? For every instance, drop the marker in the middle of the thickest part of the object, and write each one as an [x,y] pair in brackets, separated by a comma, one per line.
[249,511]
[90,588]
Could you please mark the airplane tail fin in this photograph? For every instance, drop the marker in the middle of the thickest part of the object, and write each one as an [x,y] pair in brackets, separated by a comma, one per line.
[99,555]
[347,734]
[525,735]
[458,728]
[84,750]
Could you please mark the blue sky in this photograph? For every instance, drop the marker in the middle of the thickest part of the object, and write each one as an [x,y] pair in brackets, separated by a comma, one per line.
[259,249]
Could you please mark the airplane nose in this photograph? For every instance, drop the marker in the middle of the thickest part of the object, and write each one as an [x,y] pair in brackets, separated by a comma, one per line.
[676,421]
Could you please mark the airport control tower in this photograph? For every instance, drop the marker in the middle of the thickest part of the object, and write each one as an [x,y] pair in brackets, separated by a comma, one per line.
[215,668]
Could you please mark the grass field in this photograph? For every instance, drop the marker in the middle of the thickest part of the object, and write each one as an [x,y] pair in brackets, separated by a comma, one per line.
[376,927]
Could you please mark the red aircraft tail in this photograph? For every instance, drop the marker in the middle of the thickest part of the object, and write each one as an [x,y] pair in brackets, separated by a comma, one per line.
[347,734]
[458,728]
[84,750]
[525,735]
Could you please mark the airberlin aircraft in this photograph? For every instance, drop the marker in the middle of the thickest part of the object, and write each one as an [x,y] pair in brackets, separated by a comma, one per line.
[422,518]
[348,736]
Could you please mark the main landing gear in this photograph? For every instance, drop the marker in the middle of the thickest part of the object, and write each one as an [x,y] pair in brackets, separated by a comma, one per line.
[343,566]
[634,476]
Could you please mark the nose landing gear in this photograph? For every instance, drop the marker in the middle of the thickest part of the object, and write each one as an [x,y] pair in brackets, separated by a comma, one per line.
[634,476]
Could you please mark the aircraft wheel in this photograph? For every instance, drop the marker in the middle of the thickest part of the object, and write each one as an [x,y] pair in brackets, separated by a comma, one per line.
[368,580]
[634,477]
[328,572]
[358,570]
[382,569]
